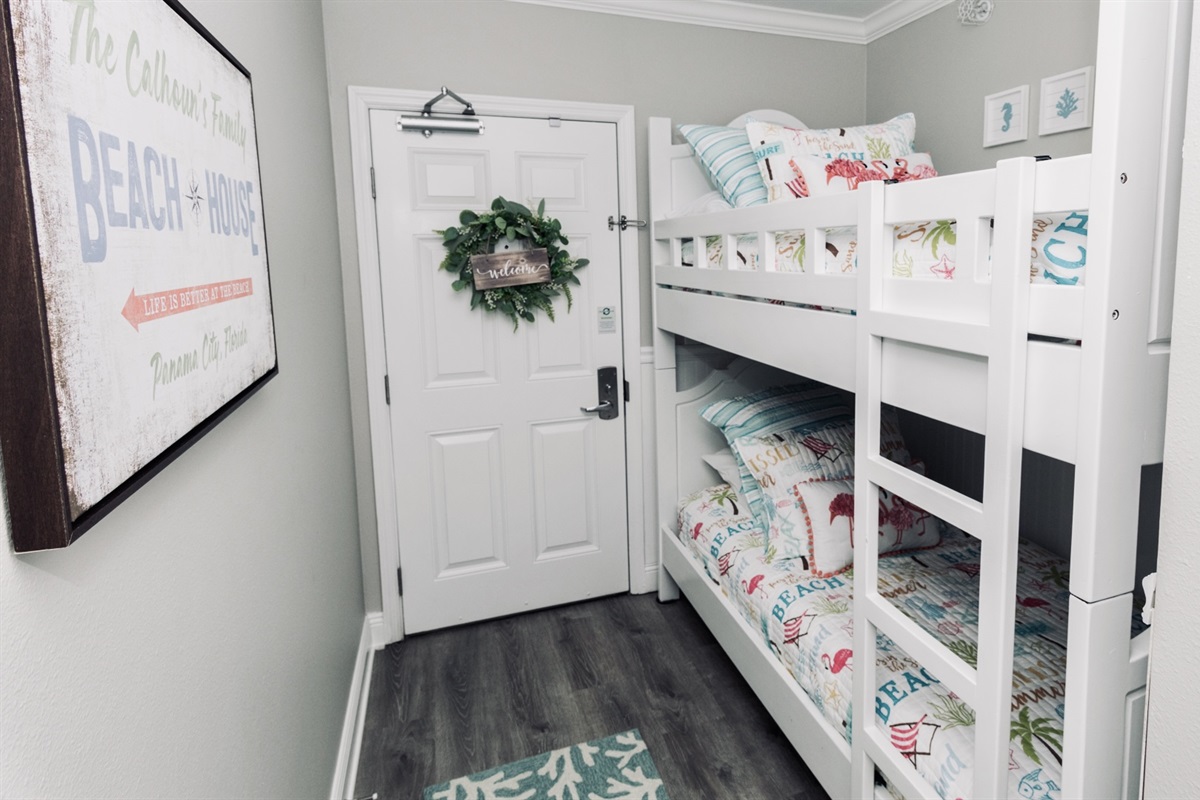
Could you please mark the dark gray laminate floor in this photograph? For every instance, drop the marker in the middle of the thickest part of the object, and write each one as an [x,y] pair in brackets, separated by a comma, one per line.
[457,701]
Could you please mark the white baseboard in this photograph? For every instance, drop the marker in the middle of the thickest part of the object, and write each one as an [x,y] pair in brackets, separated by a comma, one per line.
[648,580]
[378,630]
[346,770]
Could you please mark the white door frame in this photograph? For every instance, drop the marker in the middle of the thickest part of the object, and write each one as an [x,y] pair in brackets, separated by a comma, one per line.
[363,100]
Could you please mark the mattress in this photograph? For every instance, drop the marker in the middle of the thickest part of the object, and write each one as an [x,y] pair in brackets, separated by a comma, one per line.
[808,623]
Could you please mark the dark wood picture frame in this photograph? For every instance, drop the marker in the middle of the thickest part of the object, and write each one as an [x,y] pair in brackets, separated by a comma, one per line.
[44,511]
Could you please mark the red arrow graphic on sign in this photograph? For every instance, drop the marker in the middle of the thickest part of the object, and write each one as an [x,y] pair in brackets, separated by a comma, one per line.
[142,308]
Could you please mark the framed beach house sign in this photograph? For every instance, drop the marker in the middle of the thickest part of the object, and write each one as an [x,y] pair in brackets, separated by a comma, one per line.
[133,262]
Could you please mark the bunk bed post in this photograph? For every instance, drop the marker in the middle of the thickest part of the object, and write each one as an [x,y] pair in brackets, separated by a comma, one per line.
[1138,64]
[668,477]
[1009,326]
[660,251]
[664,356]
[867,397]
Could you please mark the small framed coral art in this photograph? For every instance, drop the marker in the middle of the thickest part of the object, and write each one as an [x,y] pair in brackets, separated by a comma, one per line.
[1066,102]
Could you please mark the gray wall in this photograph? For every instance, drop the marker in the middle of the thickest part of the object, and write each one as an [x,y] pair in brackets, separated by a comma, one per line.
[941,70]
[1174,692]
[205,649]
[686,72]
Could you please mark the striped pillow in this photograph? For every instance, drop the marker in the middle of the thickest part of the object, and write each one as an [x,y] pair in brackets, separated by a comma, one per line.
[729,162]
[801,407]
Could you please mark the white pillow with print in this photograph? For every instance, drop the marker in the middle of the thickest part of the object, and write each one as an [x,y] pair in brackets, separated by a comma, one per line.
[727,467]
[827,511]
[774,145]
[817,176]
[803,406]
[779,461]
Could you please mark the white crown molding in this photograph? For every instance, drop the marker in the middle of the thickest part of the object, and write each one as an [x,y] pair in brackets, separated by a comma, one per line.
[897,15]
[761,19]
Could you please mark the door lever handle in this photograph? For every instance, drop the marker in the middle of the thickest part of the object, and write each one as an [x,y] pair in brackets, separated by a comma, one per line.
[606,393]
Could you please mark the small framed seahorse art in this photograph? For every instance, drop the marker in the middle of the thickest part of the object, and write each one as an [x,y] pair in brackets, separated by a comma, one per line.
[1006,116]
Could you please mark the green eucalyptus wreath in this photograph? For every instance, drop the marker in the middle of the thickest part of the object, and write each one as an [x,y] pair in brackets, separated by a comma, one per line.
[478,233]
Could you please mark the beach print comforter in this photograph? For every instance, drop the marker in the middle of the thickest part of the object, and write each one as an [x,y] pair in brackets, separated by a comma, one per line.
[808,623]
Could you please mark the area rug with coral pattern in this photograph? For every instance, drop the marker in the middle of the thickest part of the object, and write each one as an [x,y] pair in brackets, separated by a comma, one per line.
[614,768]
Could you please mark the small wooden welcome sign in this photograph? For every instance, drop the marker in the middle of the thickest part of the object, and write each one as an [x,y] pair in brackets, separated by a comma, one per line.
[514,268]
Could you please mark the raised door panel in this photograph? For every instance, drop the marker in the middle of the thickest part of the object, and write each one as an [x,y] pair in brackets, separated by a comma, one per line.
[557,179]
[458,345]
[563,457]
[565,348]
[467,480]
[442,180]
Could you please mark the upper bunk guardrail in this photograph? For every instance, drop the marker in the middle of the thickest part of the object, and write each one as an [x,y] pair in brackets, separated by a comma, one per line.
[770,281]
[1062,185]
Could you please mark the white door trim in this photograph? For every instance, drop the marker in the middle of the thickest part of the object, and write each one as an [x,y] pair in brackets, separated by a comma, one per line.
[362,101]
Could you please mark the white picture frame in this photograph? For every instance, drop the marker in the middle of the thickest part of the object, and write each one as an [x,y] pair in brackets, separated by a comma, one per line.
[1065,103]
[1006,116]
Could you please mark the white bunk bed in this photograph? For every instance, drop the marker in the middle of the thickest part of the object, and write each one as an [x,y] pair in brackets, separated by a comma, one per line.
[995,355]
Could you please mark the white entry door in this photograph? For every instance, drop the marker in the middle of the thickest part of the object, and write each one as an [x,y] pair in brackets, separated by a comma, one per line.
[509,496]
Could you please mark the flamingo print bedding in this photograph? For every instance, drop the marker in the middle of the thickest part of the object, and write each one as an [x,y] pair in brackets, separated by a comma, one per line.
[807,621]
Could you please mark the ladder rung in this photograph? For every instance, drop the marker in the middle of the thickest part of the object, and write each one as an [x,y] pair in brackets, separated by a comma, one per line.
[931,654]
[958,337]
[941,501]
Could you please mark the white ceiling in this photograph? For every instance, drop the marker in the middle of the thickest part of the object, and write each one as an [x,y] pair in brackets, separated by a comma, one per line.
[853,21]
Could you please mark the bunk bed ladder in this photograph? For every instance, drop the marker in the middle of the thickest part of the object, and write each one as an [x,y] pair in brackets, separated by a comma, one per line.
[987,687]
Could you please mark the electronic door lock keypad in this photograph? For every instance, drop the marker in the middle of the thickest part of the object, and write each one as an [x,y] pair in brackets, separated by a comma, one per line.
[607,385]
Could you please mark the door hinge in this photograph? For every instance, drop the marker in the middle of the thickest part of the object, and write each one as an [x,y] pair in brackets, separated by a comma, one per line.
[624,223]
[372,183]
[387,390]
[626,391]
[399,582]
